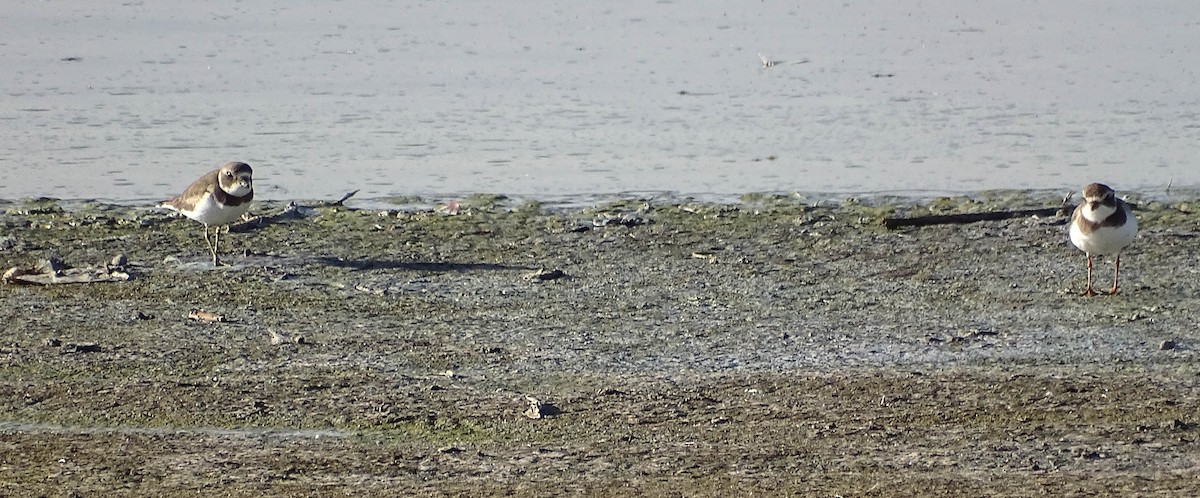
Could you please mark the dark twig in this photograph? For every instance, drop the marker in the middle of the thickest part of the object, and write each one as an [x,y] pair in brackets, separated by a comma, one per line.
[949,219]
[340,202]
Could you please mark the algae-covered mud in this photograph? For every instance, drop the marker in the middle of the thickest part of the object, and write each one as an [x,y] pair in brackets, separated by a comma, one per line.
[660,347]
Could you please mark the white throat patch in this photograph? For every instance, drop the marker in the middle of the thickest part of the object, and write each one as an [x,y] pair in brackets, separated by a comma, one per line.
[1099,213]
[239,189]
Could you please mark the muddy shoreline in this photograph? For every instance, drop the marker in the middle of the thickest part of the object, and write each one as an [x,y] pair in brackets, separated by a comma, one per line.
[778,345]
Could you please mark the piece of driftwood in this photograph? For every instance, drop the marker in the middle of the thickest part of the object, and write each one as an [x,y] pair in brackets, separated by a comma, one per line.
[292,211]
[952,219]
[342,201]
[53,272]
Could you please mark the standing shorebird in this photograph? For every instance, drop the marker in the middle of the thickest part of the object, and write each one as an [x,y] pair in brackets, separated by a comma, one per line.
[218,198]
[1102,226]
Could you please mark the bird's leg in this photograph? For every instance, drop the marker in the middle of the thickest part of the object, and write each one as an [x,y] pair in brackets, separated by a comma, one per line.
[1090,291]
[216,245]
[211,244]
[1116,272]
[207,242]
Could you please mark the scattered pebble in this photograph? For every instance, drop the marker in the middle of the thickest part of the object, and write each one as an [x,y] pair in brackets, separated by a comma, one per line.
[82,348]
[1166,345]
[621,219]
[1175,424]
[276,337]
[543,275]
[119,261]
[451,208]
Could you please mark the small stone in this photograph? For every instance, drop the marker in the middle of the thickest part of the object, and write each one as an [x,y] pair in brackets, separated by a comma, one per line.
[53,343]
[300,340]
[83,348]
[119,261]
[276,337]
[1174,424]
[1166,345]
[543,275]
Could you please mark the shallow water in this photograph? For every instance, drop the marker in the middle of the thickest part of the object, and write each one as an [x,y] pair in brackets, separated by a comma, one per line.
[132,101]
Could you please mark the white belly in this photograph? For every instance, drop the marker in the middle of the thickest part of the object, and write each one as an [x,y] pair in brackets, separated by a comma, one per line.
[1105,241]
[207,211]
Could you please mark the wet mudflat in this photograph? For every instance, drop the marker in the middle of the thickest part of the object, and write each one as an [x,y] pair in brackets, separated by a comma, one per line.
[778,345]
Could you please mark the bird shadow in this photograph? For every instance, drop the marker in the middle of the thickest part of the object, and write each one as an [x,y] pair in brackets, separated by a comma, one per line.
[426,266]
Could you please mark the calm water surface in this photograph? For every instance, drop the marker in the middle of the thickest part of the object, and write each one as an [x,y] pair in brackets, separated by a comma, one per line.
[130,101]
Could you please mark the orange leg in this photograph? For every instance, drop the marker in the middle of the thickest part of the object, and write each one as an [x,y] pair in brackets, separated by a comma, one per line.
[1116,272]
[1090,291]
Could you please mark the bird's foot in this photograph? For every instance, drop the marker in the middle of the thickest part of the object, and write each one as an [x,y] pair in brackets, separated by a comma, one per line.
[1112,291]
[1090,292]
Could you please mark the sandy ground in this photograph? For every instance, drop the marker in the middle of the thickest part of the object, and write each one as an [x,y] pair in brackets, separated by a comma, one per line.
[778,345]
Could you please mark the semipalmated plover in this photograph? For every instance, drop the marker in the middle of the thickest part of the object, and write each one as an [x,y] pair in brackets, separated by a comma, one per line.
[1102,226]
[218,198]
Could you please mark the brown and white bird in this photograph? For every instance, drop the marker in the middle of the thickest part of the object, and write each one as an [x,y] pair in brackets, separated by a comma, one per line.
[1102,226]
[218,198]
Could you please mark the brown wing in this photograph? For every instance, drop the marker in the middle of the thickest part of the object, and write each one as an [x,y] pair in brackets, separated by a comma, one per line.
[187,200]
